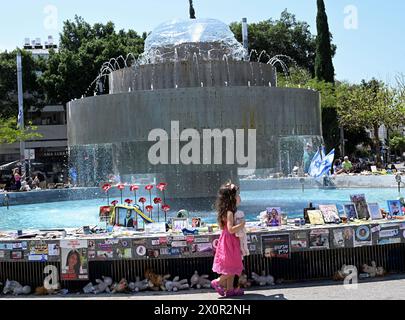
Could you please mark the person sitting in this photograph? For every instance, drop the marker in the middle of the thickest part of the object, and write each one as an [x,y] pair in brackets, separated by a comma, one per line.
[346,166]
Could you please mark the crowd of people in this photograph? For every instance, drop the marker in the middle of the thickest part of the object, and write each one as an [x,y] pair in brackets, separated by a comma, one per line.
[22,182]
[358,166]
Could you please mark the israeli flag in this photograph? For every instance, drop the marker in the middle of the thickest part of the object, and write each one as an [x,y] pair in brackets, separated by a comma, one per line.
[321,164]
[20,114]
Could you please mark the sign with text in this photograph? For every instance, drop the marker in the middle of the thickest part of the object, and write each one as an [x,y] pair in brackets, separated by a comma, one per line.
[276,246]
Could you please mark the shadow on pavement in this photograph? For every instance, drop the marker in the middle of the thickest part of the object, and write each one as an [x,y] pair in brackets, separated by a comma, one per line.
[256,296]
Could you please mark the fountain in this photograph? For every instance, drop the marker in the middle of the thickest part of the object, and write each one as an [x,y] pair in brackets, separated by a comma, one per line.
[193,72]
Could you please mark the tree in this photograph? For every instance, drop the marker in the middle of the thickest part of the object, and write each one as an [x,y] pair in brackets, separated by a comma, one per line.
[397,143]
[324,69]
[285,36]
[192,11]
[10,134]
[370,105]
[33,94]
[83,50]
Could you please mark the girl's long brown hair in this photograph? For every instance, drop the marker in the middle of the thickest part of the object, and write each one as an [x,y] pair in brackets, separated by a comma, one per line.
[226,201]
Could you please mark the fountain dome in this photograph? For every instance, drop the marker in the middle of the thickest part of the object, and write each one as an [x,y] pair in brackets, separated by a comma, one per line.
[183,38]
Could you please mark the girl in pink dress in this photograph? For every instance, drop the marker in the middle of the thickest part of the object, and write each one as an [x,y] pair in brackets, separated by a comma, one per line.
[228,257]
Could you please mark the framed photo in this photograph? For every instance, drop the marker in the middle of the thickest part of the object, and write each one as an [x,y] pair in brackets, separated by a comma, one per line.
[125,217]
[360,202]
[374,210]
[395,207]
[329,212]
[178,224]
[74,265]
[273,216]
[315,217]
[196,222]
[350,210]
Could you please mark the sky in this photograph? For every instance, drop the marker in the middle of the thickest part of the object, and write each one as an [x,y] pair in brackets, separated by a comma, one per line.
[369,34]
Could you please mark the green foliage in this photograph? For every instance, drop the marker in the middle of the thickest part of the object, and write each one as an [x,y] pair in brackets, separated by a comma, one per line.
[192,11]
[324,69]
[83,50]
[10,134]
[33,93]
[370,105]
[285,36]
[397,143]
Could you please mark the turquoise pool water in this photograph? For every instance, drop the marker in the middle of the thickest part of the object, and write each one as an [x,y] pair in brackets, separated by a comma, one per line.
[70,214]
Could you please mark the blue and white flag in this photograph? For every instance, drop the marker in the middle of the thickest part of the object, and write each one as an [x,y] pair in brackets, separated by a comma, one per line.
[19,119]
[321,164]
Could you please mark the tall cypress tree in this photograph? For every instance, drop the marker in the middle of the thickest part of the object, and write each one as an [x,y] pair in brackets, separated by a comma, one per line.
[324,69]
[192,11]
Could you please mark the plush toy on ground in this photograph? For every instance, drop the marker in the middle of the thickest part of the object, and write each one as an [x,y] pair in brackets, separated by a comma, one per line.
[120,287]
[263,280]
[15,288]
[156,282]
[200,281]
[42,291]
[139,285]
[177,284]
[341,274]
[373,270]
[243,281]
[101,286]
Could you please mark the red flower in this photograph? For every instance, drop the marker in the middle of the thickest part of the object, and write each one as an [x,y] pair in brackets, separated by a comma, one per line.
[165,207]
[149,187]
[134,188]
[128,201]
[106,187]
[162,186]
[149,208]
[114,203]
[121,186]
[142,200]
[157,200]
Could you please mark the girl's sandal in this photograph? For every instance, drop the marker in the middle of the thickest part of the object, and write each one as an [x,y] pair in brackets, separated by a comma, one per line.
[215,284]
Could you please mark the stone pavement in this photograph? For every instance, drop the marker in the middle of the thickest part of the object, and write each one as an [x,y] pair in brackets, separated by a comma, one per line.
[388,288]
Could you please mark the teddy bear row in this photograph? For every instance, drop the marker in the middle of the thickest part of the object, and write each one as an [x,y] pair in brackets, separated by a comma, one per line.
[156,282]
[152,281]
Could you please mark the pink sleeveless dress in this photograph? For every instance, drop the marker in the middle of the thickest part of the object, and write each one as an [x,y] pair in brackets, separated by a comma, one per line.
[228,257]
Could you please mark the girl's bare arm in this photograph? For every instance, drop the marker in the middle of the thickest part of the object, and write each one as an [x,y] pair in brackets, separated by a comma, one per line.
[233,229]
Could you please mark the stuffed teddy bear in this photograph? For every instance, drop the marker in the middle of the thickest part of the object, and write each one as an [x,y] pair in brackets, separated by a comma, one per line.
[139,285]
[263,280]
[243,281]
[42,291]
[241,234]
[120,287]
[372,270]
[103,285]
[343,273]
[15,288]
[200,281]
[176,285]
[156,282]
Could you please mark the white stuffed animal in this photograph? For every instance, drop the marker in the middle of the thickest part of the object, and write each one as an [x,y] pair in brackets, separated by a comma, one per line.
[200,281]
[139,285]
[15,288]
[263,280]
[177,284]
[103,285]
[241,234]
